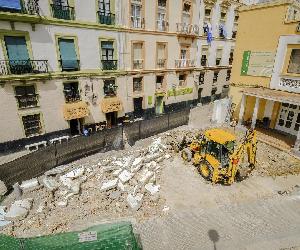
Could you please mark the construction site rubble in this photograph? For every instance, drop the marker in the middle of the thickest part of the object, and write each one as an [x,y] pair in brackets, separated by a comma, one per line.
[3,189]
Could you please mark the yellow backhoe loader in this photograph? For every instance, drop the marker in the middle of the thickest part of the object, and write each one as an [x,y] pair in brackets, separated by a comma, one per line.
[218,159]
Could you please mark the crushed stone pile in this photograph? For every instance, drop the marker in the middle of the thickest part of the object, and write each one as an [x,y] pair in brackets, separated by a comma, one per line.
[115,187]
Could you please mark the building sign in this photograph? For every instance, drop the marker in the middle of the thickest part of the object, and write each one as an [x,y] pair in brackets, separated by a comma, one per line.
[111,104]
[257,63]
[176,92]
[75,110]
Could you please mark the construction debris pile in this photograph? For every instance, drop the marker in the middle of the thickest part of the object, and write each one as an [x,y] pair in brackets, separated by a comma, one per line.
[114,187]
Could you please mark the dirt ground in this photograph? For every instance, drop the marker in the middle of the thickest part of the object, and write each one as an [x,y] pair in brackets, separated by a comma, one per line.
[261,212]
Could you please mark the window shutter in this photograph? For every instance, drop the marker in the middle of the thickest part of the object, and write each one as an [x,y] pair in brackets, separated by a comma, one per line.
[161,51]
[16,48]
[137,51]
[68,53]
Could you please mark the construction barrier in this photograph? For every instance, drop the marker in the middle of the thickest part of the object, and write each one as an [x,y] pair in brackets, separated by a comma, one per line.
[118,236]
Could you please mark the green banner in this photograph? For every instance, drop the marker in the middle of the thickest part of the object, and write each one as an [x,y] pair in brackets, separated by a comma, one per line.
[245,63]
[176,92]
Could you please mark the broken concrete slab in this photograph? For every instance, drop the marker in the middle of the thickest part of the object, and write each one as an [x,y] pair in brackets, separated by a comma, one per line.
[152,189]
[137,161]
[115,195]
[18,210]
[3,222]
[57,170]
[29,184]
[50,183]
[109,185]
[117,172]
[3,188]
[62,203]
[134,202]
[125,176]
[121,186]
[146,176]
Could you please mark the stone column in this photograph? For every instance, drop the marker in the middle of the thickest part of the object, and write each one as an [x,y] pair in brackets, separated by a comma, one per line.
[255,111]
[242,110]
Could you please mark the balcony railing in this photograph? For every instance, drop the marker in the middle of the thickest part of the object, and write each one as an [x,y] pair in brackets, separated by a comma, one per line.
[72,96]
[70,65]
[162,25]
[28,101]
[30,7]
[203,62]
[63,12]
[187,29]
[137,22]
[184,63]
[161,63]
[106,18]
[290,83]
[19,67]
[109,64]
[138,64]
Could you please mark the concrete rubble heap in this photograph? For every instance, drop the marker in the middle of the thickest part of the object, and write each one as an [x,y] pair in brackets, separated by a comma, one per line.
[123,185]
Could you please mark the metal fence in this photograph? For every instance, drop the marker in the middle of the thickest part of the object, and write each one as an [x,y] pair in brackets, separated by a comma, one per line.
[44,159]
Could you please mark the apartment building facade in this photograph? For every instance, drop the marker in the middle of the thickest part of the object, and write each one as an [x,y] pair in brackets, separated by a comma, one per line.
[265,80]
[65,64]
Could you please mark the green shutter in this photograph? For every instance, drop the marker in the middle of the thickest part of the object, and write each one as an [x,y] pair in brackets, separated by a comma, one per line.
[68,54]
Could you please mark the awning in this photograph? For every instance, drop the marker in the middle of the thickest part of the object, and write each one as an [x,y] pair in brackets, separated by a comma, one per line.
[75,110]
[273,95]
[111,104]
[10,4]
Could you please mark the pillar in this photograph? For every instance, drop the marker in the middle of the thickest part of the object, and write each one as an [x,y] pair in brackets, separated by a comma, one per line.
[297,143]
[255,111]
[242,110]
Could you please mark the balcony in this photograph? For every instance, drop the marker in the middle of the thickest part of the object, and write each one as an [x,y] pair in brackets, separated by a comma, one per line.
[184,63]
[63,12]
[106,18]
[29,7]
[19,67]
[137,22]
[27,101]
[109,64]
[161,63]
[162,25]
[184,29]
[138,64]
[70,65]
[72,96]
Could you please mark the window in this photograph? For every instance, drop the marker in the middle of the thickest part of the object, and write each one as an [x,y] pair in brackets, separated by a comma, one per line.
[186,13]
[159,81]
[207,14]
[136,14]
[234,31]
[104,13]
[204,56]
[107,54]
[162,3]
[104,6]
[223,15]
[62,10]
[213,93]
[228,75]
[68,55]
[162,15]
[294,64]
[26,96]
[216,74]
[182,80]
[110,87]
[236,17]
[138,84]
[161,55]
[71,92]
[201,78]
[219,56]
[231,56]
[138,55]
[32,124]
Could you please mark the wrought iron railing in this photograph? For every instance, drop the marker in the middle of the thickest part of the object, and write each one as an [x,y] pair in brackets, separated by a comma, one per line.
[162,25]
[72,96]
[63,12]
[184,63]
[187,29]
[27,101]
[109,64]
[138,64]
[106,18]
[137,22]
[19,67]
[161,63]
[30,7]
[70,65]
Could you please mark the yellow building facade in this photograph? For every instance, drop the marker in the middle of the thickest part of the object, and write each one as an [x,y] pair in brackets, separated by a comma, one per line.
[265,81]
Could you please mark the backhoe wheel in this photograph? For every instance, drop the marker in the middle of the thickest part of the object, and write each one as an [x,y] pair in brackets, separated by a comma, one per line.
[206,170]
[186,154]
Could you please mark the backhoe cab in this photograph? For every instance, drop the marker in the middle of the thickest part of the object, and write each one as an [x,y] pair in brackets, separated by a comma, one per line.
[218,159]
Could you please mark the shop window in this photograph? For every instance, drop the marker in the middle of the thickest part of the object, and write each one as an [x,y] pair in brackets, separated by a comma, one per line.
[110,87]
[26,96]
[294,64]
[159,81]
[32,125]
[182,80]
[71,92]
[201,78]
[138,84]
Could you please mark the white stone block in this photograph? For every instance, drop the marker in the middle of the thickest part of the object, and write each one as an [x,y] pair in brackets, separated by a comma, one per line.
[29,184]
[134,202]
[146,176]
[121,186]
[137,161]
[152,189]
[125,176]
[75,173]
[117,172]
[109,185]
[18,210]
[50,183]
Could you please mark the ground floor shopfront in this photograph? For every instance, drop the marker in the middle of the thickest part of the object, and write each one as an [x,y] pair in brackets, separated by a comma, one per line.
[270,109]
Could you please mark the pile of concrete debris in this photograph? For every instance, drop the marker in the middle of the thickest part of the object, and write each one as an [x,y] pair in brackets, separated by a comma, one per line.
[120,185]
